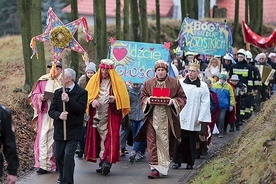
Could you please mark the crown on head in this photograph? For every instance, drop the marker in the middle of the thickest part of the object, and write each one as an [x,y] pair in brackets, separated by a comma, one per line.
[195,63]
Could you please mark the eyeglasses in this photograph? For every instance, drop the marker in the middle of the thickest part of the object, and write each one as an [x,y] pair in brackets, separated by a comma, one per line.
[192,71]
[262,58]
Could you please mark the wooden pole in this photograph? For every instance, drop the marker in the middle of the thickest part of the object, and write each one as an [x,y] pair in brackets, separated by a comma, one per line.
[63,103]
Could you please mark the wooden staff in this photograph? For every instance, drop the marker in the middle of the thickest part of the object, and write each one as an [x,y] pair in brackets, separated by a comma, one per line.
[63,103]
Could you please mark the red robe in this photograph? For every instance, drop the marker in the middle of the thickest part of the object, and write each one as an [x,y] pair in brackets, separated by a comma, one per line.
[112,142]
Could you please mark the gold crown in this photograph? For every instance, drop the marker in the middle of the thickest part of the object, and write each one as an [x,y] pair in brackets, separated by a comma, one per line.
[195,63]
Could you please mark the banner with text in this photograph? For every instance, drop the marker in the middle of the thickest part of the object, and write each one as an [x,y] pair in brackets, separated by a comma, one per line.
[134,61]
[211,38]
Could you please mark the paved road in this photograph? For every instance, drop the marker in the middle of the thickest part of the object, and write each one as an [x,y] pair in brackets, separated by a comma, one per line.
[124,172]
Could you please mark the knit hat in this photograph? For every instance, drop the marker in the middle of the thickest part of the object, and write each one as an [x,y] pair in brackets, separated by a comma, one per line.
[223,76]
[107,64]
[90,67]
[161,64]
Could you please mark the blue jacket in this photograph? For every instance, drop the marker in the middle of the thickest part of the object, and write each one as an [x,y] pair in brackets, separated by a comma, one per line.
[225,95]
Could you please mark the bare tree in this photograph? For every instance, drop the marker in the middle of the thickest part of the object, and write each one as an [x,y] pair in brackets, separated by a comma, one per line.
[236,19]
[37,65]
[100,29]
[189,9]
[118,19]
[157,6]
[32,69]
[246,10]
[256,15]
[207,8]
[184,11]
[144,20]
[134,20]
[74,55]
[126,20]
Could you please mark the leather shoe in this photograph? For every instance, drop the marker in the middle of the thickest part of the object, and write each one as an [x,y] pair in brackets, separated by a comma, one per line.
[106,168]
[176,166]
[59,181]
[100,170]
[153,174]
[189,167]
[80,154]
[42,171]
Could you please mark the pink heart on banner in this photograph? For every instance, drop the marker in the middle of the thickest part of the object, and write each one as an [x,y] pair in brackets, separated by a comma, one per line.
[119,53]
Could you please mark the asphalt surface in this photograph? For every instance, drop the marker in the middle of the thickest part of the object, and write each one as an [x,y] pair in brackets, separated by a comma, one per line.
[125,172]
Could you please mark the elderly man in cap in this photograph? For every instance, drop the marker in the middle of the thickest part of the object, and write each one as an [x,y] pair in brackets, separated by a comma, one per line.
[40,99]
[108,103]
[161,122]
[226,98]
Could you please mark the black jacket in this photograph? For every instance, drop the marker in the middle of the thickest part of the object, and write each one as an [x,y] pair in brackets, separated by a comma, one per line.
[8,143]
[75,107]
[245,72]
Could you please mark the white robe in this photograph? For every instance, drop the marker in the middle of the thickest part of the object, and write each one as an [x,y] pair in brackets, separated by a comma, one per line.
[197,107]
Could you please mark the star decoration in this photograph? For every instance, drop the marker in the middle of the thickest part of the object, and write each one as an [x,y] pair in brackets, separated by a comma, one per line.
[167,45]
[112,40]
[189,27]
[60,36]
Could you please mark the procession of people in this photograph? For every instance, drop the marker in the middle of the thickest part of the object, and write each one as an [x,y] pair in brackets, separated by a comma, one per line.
[200,104]
[162,104]
[176,131]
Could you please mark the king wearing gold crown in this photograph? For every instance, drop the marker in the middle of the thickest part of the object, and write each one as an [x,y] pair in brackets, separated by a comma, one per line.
[161,124]
[108,103]
[195,114]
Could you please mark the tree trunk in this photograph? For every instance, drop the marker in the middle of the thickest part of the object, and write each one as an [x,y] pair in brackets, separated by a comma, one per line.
[256,15]
[24,8]
[246,11]
[74,55]
[134,20]
[144,20]
[126,20]
[192,7]
[157,4]
[236,20]
[189,9]
[207,8]
[184,10]
[118,19]
[100,30]
[38,66]
[260,17]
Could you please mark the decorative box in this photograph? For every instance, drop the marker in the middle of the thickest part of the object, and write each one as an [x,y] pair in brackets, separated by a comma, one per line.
[160,96]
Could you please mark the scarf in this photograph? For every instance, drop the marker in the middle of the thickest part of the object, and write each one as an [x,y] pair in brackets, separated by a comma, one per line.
[117,83]
[195,82]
